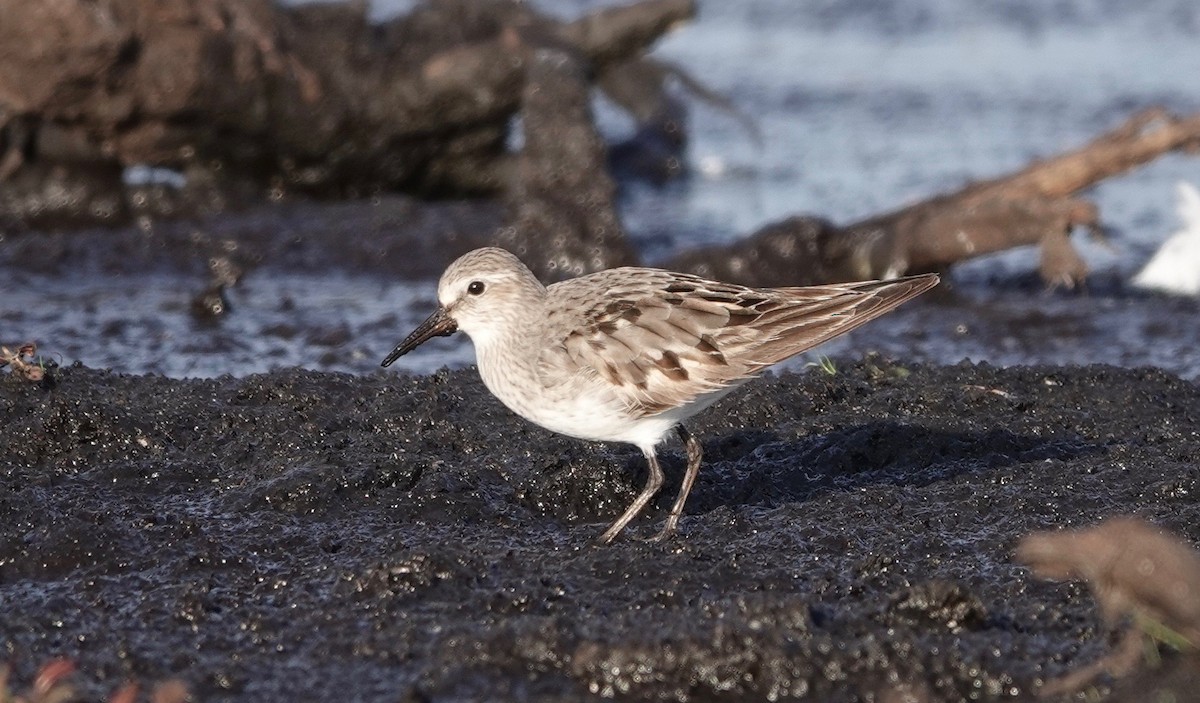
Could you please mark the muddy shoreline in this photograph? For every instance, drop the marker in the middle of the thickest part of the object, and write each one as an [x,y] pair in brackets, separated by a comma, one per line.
[308,535]
[245,503]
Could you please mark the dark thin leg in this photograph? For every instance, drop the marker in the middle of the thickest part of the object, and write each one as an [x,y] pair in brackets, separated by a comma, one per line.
[653,483]
[694,453]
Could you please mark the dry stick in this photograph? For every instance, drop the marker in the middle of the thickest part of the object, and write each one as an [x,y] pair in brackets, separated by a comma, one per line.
[1035,205]
[1144,137]
[1031,206]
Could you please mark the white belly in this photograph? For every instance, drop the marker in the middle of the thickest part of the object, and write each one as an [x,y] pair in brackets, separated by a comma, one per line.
[581,406]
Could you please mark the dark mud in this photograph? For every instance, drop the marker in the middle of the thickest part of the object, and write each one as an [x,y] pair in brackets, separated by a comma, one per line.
[302,535]
[394,234]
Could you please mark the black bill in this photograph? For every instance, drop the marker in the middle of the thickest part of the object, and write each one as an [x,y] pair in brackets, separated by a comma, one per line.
[439,324]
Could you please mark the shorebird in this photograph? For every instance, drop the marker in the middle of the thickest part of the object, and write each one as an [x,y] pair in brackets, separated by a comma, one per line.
[628,354]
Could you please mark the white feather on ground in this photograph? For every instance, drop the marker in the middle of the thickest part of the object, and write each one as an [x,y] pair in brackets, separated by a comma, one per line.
[1175,267]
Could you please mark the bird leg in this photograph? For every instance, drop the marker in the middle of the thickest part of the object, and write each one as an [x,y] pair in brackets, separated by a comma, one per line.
[694,453]
[653,483]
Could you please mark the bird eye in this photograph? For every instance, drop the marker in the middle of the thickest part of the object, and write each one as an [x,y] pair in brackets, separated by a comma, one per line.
[475,287]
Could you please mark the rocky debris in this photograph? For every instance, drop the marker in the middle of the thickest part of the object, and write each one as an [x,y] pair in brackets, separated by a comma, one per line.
[1146,583]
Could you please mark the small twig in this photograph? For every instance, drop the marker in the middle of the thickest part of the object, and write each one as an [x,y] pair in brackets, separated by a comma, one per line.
[23,363]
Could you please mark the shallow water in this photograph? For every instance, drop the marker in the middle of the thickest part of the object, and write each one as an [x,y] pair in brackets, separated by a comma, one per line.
[868,107]
[347,323]
[144,323]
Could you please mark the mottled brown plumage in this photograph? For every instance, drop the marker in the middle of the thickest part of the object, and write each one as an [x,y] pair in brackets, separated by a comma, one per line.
[627,354]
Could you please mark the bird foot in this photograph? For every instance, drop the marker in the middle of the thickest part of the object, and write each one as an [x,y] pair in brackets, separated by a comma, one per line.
[669,530]
[606,539]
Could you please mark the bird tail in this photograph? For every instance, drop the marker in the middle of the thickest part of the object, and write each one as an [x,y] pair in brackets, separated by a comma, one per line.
[829,311]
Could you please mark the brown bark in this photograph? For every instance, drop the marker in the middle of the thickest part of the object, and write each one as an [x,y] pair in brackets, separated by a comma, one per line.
[310,98]
[1034,205]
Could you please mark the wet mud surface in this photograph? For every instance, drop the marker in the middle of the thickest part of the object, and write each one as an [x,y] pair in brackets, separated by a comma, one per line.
[304,535]
[267,516]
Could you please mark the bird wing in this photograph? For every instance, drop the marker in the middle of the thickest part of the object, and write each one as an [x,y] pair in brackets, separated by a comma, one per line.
[662,339]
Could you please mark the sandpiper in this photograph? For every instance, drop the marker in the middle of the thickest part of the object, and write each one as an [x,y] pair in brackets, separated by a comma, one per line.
[628,354]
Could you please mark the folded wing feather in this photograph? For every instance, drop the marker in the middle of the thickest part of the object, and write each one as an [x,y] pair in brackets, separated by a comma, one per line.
[664,339]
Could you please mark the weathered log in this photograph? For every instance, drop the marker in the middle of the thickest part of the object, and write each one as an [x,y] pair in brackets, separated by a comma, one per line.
[1034,205]
[309,98]
[244,95]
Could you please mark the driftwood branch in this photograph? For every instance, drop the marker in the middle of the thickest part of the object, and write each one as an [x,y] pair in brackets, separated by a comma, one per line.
[1143,138]
[562,201]
[1036,205]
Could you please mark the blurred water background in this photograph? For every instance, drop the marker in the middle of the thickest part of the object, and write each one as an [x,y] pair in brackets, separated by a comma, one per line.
[864,106]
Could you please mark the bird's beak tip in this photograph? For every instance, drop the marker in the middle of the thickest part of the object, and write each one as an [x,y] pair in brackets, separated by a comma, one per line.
[439,324]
